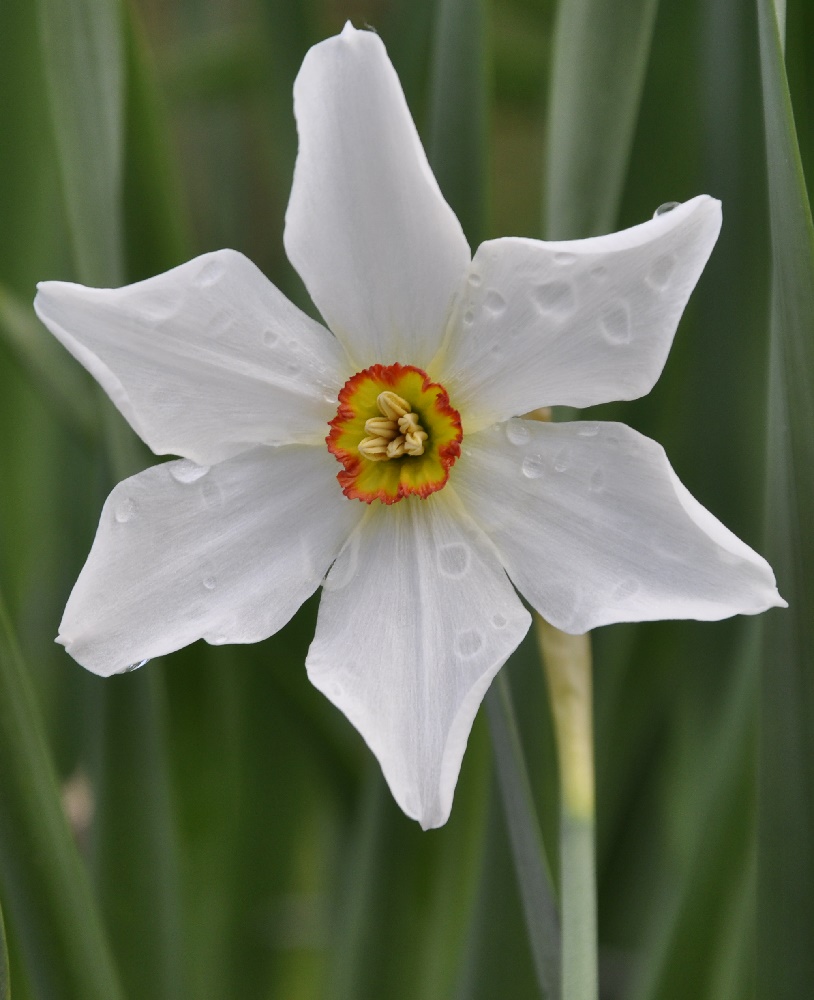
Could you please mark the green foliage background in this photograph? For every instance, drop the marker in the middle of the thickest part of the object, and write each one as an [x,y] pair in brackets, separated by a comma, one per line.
[241,842]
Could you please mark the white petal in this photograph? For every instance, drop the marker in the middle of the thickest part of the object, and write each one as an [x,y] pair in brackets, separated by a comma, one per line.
[416,618]
[594,527]
[227,554]
[573,323]
[367,228]
[204,361]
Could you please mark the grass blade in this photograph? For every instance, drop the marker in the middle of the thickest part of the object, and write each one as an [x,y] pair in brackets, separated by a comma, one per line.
[786,778]
[533,878]
[62,384]
[457,135]
[600,56]
[44,882]
[83,60]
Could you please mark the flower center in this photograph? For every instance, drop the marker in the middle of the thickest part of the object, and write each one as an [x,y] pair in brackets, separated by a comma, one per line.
[396,434]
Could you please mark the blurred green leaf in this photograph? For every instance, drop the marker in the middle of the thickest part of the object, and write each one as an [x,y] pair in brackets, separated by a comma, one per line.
[156,227]
[533,877]
[133,848]
[5,992]
[83,57]
[600,56]
[786,777]
[62,384]
[44,882]
[458,123]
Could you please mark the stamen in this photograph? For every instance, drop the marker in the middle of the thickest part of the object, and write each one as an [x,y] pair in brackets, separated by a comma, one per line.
[381,427]
[396,447]
[392,405]
[374,448]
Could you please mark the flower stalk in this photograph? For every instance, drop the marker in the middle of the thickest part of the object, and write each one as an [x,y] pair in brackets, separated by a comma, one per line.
[567,663]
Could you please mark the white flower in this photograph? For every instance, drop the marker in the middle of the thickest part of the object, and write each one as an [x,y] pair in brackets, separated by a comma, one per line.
[210,362]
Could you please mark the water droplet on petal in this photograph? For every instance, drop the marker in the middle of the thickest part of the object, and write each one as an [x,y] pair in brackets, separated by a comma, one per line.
[271,338]
[555,298]
[210,582]
[597,481]
[475,280]
[661,272]
[469,317]
[494,302]
[615,325]
[468,643]
[586,429]
[563,258]
[668,206]
[454,560]
[187,472]
[210,273]
[533,466]
[218,639]
[132,666]
[125,510]
[562,460]
[599,273]
[517,433]
[499,621]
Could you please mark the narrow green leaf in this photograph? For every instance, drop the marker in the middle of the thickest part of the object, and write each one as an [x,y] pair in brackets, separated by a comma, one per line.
[45,886]
[458,123]
[133,848]
[533,878]
[62,384]
[83,60]
[785,967]
[5,989]
[600,56]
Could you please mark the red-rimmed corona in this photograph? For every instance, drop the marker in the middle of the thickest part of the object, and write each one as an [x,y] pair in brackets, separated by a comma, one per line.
[396,434]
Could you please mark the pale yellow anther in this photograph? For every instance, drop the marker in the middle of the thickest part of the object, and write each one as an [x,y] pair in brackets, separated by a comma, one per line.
[381,427]
[374,448]
[396,433]
[392,405]
[396,448]
[408,424]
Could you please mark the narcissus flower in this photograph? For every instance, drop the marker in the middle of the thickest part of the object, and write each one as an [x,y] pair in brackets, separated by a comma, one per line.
[443,501]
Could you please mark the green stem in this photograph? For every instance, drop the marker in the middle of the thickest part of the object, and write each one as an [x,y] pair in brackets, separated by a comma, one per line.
[567,661]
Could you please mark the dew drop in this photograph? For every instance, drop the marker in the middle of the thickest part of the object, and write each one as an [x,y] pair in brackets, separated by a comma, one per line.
[533,467]
[564,258]
[499,621]
[517,433]
[210,273]
[210,582]
[587,429]
[475,280]
[469,317]
[292,368]
[125,511]
[599,273]
[597,481]
[555,298]
[668,206]
[562,460]
[454,560]
[132,666]
[187,472]
[494,302]
[468,643]
[219,639]
[661,272]
[271,338]
[615,325]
